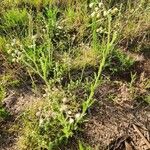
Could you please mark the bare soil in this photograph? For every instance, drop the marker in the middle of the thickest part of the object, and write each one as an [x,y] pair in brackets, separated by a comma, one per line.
[110,125]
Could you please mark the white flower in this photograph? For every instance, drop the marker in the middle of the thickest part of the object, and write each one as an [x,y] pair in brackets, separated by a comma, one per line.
[109,11]
[21,46]
[44,30]
[12,44]
[105,13]
[34,37]
[16,51]
[69,112]
[14,59]
[7,45]
[19,53]
[77,115]
[63,107]
[93,14]
[28,59]
[41,121]
[96,8]
[115,10]
[9,51]
[98,15]
[99,30]
[91,5]
[38,114]
[31,46]
[53,114]
[59,27]
[18,59]
[13,55]
[71,121]
[44,95]
[64,100]
[55,89]
[14,41]
[100,4]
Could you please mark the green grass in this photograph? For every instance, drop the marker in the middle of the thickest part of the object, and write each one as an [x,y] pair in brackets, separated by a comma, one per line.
[50,40]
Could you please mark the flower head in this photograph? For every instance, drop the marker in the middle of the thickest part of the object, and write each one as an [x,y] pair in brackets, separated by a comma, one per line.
[14,59]
[38,114]
[34,37]
[59,27]
[13,54]
[63,107]
[41,121]
[114,11]
[9,51]
[91,5]
[64,100]
[77,115]
[14,41]
[93,14]
[105,13]
[71,120]
[69,112]
[100,4]
[96,8]
[98,15]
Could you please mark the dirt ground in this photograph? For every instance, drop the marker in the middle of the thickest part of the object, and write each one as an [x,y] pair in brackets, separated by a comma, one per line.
[111,126]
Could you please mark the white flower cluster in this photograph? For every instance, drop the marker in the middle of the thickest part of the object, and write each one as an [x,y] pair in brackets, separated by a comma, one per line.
[96,9]
[66,60]
[99,10]
[44,115]
[70,115]
[15,50]
[100,14]
[47,93]
[59,27]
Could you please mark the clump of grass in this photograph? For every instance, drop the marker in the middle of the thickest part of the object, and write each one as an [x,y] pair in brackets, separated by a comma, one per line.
[119,62]
[135,32]
[13,18]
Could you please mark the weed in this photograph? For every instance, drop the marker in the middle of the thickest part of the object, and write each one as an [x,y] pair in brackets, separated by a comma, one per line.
[119,62]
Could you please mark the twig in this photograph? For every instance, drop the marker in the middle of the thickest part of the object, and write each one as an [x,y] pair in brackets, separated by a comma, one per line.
[141,135]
